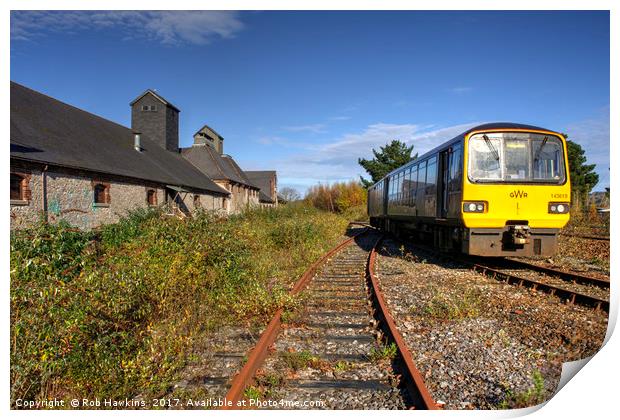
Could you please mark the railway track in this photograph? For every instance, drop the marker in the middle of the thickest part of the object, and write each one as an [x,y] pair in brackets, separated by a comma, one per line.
[592,237]
[340,350]
[570,287]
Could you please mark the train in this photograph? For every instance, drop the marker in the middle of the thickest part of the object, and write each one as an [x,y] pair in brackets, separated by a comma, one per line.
[497,190]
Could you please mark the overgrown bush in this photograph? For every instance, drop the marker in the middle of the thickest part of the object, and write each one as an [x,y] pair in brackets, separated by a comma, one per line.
[338,197]
[116,313]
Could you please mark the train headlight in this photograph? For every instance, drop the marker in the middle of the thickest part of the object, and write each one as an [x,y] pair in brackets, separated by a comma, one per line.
[474,206]
[559,208]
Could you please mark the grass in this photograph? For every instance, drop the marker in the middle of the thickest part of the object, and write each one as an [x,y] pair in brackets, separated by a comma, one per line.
[297,360]
[383,352]
[462,304]
[116,313]
[535,395]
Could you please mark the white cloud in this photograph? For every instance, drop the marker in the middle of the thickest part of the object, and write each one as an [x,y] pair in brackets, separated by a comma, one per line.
[593,135]
[166,27]
[460,89]
[340,118]
[310,128]
[337,161]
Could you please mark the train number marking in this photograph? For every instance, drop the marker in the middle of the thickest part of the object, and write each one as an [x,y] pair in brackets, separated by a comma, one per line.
[559,195]
[518,194]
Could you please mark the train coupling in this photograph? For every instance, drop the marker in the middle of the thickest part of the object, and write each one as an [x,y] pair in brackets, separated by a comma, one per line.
[519,234]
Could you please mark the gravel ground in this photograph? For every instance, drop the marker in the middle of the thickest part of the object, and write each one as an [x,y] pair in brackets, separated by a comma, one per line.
[554,281]
[583,256]
[216,362]
[328,351]
[481,343]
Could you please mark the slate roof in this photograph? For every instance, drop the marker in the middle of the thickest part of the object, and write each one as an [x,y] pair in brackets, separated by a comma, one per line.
[261,180]
[46,130]
[214,165]
[210,129]
[156,95]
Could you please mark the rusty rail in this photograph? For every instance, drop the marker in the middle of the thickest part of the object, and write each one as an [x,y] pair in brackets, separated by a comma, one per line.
[570,295]
[564,275]
[593,237]
[259,353]
[413,380]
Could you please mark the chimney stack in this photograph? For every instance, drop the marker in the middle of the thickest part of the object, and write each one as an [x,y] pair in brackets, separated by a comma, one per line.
[156,118]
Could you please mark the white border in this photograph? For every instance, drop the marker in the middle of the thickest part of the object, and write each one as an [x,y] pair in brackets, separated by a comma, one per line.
[590,395]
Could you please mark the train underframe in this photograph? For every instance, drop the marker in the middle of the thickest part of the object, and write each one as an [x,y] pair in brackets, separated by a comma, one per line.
[513,240]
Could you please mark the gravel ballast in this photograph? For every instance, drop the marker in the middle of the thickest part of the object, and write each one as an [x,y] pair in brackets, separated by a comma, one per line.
[480,343]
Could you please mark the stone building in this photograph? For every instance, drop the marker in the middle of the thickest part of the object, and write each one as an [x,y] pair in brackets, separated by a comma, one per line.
[69,164]
[207,154]
[267,181]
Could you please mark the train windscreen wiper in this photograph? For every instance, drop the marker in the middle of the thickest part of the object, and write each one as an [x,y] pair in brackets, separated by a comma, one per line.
[540,148]
[491,147]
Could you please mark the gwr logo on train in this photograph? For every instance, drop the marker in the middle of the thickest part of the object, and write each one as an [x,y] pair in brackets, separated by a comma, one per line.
[518,194]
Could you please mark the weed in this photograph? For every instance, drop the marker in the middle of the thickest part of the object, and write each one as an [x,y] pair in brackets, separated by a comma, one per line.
[456,305]
[533,396]
[383,352]
[252,393]
[118,312]
[297,360]
[341,366]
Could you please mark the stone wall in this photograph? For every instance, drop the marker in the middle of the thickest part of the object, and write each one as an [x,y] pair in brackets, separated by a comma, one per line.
[241,197]
[70,197]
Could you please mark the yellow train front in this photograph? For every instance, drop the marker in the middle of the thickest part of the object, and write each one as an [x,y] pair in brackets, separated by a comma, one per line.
[500,189]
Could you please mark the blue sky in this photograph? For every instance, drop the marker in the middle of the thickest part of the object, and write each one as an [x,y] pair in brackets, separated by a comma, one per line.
[307,93]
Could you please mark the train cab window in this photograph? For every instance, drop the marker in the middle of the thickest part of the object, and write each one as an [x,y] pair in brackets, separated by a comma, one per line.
[484,158]
[516,157]
[547,159]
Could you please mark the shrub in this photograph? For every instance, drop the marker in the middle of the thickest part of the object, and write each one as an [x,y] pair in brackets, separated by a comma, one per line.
[116,313]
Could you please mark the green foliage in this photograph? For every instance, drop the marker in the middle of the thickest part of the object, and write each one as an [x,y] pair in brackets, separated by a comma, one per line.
[383,352]
[582,176]
[460,305]
[391,156]
[117,313]
[297,360]
[535,395]
[339,197]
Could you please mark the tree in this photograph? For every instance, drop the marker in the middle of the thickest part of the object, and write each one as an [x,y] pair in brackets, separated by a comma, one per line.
[289,194]
[582,176]
[390,157]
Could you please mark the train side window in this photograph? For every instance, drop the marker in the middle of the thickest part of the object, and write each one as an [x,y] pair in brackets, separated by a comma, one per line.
[414,183]
[422,176]
[431,174]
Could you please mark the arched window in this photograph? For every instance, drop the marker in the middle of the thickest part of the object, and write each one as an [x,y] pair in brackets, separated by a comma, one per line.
[17,187]
[151,197]
[101,194]
[196,201]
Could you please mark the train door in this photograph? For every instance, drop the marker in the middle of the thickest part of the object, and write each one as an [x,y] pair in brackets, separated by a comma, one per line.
[442,188]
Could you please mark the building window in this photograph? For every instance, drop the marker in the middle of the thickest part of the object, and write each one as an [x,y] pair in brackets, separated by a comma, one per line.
[151,197]
[101,194]
[17,187]
[149,107]
[196,201]
[20,190]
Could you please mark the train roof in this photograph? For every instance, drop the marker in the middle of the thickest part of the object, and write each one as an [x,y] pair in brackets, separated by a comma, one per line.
[487,126]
